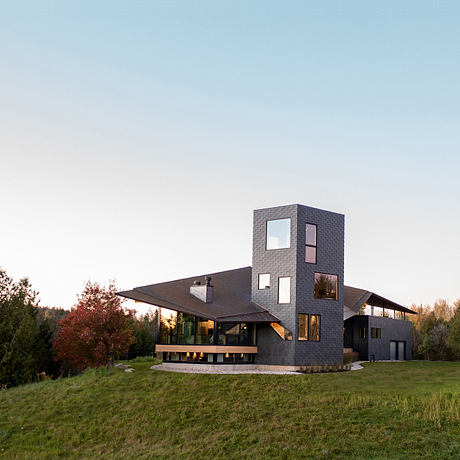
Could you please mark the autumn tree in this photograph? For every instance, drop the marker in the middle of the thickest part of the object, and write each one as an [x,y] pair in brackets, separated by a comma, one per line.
[97,331]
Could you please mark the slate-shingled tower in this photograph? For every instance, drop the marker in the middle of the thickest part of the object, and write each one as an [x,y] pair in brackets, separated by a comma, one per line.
[291,255]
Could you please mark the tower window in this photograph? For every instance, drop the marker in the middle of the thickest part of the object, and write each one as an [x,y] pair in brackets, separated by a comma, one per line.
[284,289]
[310,243]
[278,234]
[325,286]
[264,280]
[309,327]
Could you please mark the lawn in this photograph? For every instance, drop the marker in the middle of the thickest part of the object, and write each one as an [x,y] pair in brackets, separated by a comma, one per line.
[385,411]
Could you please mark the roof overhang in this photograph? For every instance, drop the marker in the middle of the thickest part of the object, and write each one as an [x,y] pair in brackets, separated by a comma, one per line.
[355,298]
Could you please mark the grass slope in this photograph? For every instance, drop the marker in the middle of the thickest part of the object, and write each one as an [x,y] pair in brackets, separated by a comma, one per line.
[385,411]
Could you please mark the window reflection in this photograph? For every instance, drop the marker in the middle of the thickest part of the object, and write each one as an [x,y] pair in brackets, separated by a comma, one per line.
[303,327]
[325,286]
[310,254]
[284,289]
[310,234]
[204,331]
[264,280]
[235,334]
[278,234]
[315,326]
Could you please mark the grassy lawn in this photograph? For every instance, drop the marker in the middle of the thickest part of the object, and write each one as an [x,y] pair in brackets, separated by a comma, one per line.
[385,411]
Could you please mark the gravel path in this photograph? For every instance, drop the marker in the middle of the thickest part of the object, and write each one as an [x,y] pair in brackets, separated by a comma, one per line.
[210,369]
[217,370]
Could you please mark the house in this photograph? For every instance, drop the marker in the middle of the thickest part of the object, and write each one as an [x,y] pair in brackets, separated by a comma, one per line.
[289,309]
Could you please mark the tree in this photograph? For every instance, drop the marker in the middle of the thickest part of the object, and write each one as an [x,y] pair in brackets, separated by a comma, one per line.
[454,333]
[25,347]
[97,331]
[146,335]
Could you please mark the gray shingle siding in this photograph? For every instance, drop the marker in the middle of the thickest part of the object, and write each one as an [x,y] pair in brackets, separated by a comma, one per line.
[291,262]
[390,329]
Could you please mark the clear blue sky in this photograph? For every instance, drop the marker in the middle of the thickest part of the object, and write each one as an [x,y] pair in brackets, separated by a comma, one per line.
[137,137]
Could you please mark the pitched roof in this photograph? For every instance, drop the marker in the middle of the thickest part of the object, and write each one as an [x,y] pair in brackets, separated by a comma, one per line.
[232,298]
[355,298]
[231,302]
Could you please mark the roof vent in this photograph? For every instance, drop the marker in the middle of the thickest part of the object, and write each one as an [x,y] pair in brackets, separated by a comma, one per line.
[204,293]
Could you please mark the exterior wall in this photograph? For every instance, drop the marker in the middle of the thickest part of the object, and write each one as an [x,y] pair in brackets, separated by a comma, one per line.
[291,262]
[391,329]
[352,339]
[330,260]
[277,262]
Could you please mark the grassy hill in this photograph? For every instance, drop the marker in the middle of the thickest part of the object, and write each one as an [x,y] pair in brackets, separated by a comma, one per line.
[385,411]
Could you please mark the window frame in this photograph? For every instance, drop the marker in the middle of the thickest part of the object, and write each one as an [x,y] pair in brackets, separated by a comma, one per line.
[290,297]
[308,324]
[336,287]
[319,328]
[269,281]
[315,246]
[266,233]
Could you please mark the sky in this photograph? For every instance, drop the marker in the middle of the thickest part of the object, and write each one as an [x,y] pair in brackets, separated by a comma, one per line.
[137,137]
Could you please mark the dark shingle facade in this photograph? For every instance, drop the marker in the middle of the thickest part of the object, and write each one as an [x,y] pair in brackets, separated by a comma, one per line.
[302,289]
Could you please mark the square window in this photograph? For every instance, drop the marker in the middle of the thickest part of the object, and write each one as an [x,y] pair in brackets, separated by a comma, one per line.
[264,280]
[284,289]
[278,234]
[325,286]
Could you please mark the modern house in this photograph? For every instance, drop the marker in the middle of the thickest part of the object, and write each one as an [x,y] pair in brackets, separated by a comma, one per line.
[289,309]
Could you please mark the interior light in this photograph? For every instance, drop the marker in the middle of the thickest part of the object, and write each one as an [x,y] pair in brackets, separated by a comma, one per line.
[227,355]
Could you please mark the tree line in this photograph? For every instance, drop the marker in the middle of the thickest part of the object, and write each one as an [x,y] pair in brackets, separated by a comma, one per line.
[436,331]
[38,342]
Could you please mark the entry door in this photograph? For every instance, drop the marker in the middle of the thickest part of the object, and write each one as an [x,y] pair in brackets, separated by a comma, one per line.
[401,351]
[393,350]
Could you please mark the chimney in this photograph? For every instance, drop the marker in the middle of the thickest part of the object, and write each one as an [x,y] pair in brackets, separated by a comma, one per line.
[204,293]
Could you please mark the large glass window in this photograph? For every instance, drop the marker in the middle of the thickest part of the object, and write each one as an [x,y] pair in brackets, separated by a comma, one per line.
[168,326]
[284,289]
[325,286]
[204,331]
[185,328]
[264,280]
[309,327]
[278,234]
[235,334]
[303,327]
[315,327]
[366,310]
[310,243]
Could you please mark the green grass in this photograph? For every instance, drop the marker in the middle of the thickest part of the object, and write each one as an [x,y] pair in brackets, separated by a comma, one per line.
[385,411]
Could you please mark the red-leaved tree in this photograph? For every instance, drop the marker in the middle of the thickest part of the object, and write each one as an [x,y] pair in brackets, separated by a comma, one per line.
[97,331]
